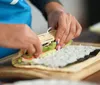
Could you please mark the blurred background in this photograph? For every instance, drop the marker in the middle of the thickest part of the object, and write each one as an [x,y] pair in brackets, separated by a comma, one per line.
[87,13]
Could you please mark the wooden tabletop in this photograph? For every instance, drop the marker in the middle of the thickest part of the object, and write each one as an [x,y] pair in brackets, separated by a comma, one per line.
[94,78]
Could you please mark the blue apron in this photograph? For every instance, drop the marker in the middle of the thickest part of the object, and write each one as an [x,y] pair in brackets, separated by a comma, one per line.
[14,12]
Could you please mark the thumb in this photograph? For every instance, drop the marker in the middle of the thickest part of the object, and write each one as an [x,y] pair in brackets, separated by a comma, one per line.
[38,48]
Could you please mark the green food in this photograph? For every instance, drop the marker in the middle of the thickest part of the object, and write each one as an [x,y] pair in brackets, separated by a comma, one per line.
[53,46]
[19,60]
[45,48]
[49,47]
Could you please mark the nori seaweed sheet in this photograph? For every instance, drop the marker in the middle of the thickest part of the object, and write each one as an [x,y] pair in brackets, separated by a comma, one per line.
[92,54]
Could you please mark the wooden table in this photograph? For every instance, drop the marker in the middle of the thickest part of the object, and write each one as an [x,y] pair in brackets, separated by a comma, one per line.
[94,78]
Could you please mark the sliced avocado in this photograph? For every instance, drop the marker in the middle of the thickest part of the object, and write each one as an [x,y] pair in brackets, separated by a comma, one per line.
[52,46]
[45,48]
[49,47]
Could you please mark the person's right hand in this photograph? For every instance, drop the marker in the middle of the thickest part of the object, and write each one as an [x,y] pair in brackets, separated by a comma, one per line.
[20,36]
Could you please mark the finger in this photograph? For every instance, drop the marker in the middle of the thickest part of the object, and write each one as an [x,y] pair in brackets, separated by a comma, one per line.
[61,27]
[65,35]
[16,45]
[70,37]
[37,44]
[72,32]
[31,50]
[78,29]
[38,47]
[63,39]
[73,26]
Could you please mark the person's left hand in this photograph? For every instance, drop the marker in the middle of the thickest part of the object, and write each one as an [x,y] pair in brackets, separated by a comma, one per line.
[67,26]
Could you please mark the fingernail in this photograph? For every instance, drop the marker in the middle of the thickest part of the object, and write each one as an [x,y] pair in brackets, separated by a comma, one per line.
[58,41]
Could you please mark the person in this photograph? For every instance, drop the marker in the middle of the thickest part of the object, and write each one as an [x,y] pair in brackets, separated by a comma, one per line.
[15,25]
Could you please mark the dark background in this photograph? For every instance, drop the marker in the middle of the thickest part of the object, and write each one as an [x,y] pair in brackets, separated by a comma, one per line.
[93,17]
[93,11]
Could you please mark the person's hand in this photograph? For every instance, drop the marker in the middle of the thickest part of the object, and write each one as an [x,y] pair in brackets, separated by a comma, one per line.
[67,26]
[19,36]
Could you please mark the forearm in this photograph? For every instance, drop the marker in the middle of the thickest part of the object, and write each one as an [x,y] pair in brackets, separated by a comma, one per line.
[42,5]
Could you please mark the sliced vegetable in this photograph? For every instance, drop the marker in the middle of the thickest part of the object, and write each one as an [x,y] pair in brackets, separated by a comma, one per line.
[45,48]
[49,47]
[52,46]
[47,53]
